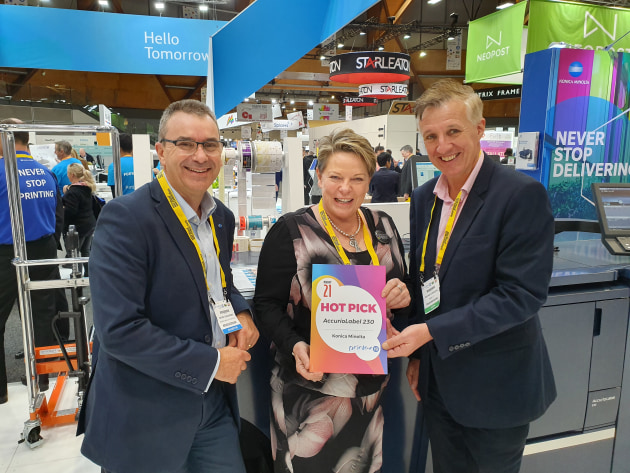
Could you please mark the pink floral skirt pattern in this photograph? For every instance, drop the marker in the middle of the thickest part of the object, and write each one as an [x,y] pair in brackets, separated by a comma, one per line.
[319,433]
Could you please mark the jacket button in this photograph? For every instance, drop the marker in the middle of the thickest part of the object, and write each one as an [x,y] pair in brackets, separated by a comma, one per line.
[451,348]
[467,344]
[194,381]
[178,374]
[188,379]
[208,339]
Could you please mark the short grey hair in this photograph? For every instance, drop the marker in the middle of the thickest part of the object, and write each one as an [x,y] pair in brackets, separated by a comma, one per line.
[407,148]
[444,91]
[192,107]
[64,146]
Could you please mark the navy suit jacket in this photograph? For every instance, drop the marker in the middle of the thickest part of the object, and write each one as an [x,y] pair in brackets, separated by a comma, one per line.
[384,186]
[153,355]
[488,355]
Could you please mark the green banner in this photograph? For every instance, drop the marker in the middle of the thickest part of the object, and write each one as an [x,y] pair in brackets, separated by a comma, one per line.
[494,44]
[579,25]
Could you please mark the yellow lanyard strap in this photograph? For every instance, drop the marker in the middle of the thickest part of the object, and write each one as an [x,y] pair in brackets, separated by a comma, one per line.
[179,213]
[367,237]
[447,234]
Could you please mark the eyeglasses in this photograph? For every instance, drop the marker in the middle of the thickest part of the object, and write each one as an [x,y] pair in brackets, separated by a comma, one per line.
[210,147]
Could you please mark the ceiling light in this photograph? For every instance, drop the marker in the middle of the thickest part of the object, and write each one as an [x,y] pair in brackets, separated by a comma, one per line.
[503,5]
[451,38]
[322,57]
[310,102]
[203,7]
[380,48]
[294,109]
[246,99]
[102,3]
[292,101]
[332,96]
[407,36]
[159,5]
[362,33]
[340,45]
[433,2]
[423,53]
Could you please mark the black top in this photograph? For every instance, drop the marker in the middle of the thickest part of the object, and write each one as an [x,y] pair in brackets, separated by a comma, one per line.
[384,186]
[77,205]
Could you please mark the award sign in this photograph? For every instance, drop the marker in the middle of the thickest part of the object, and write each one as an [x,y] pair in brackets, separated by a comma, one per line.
[348,319]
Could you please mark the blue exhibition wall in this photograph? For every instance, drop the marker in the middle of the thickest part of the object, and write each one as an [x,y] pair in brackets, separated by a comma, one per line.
[74,40]
[578,101]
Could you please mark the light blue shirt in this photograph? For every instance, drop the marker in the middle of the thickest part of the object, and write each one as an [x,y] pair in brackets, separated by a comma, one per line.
[203,232]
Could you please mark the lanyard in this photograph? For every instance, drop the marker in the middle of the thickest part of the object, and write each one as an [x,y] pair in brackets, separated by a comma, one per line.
[447,234]
[179,213]
[367,238]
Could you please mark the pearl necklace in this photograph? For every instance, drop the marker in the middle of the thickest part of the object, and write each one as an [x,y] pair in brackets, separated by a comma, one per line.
[353,242]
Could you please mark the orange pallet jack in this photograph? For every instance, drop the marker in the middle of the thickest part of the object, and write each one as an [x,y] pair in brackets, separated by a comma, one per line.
[68,360]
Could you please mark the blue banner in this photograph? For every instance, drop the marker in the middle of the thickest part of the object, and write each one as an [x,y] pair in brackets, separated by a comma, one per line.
[267,37]
[53,38]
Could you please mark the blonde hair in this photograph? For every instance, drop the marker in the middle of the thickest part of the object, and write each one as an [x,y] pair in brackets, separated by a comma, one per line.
[350,142]
[82,174]
[444,91]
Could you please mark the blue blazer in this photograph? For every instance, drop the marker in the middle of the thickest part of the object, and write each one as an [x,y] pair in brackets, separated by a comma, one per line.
[153,356]
[384,186]
[488,355]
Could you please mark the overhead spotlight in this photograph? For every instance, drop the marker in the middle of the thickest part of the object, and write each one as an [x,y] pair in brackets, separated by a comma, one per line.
[407,36]
[451,38]
[294,109]
[340,45]
[332,96]
[322,57]
[310,102]
[103,3]
[362,33]
[380,48]
[203,7]
[246,99]
[292,101]
[433,2]
[159,5]
[503,5]
[423,53]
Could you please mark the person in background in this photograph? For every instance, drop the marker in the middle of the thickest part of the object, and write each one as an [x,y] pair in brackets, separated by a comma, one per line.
[162,395]
[126,166]
[405,173]
[307,160]
[84,163]
[325,422]
[509,154]
[63,151]
[77,206]
[86,156]
[40,203]
[483,262]
[385,182]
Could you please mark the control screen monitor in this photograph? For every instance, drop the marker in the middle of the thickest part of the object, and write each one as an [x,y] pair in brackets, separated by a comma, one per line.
[613,210]
[423,172]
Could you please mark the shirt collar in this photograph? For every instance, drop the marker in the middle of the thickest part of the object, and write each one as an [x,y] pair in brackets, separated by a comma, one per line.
[441,187]
[208,205]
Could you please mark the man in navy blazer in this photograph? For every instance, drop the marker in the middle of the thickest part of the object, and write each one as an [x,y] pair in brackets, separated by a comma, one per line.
[485,235]
[384,183]
[162,396]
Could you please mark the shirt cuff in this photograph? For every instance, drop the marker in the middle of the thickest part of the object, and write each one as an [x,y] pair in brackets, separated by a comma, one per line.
[214,372]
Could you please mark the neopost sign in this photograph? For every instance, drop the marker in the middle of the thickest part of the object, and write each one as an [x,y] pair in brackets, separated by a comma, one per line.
[581,26]
[494,44]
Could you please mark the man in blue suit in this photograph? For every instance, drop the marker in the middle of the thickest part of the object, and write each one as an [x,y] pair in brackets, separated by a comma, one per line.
[384,183]
[162,395]
[481,260]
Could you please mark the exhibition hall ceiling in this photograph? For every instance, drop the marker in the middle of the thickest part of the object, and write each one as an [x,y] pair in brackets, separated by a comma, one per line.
[417,27]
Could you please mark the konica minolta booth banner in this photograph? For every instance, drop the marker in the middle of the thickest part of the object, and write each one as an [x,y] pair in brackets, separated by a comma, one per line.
[578,101]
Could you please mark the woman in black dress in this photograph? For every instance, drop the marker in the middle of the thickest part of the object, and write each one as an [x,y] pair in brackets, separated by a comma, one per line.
[77,206]
[325,422]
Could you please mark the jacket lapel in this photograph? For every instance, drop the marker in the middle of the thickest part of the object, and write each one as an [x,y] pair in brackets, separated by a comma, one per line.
[474,202]
[179,236]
